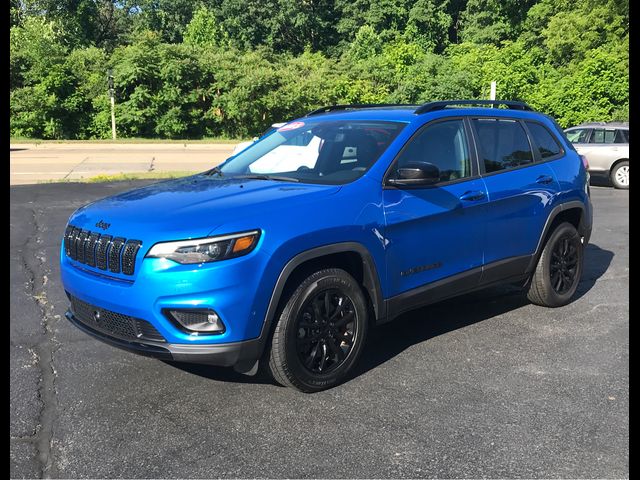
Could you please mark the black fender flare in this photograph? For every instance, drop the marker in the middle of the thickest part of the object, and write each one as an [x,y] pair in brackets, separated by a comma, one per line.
[370,278]
[584,228]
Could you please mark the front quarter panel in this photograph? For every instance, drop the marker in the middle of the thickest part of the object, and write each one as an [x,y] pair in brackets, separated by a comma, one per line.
[354,215]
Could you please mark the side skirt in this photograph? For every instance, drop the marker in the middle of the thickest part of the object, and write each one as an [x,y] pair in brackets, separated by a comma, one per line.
[510,270]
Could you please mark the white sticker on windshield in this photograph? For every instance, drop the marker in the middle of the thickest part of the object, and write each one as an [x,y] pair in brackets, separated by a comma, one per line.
[291,126]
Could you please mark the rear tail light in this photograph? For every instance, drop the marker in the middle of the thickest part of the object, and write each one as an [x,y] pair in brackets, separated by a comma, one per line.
[585,162]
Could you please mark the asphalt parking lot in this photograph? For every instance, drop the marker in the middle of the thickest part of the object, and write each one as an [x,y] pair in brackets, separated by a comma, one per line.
[486,385]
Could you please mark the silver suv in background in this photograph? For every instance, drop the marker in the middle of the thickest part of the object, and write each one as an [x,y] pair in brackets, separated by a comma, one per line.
[605,147]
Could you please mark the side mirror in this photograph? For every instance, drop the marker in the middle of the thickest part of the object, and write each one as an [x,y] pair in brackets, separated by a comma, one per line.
[417,173]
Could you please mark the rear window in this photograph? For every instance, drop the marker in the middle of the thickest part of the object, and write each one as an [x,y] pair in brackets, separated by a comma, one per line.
[503,144]
[545,142]
[621,136]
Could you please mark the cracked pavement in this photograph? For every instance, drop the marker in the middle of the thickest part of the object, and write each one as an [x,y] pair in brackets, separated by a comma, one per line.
[485,385]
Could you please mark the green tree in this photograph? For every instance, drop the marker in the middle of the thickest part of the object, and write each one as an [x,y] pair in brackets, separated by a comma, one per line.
[205,29]
[366,44]
[484,22]
[428,25]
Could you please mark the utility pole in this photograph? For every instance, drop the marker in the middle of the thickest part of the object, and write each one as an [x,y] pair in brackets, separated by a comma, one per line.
[113,106]
[493,91]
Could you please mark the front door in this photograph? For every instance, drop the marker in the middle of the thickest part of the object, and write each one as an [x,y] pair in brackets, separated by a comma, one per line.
[435,231]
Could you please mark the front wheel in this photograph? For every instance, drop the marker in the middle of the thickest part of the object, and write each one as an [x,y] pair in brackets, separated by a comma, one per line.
[320,333]
[620,175]
[559,268]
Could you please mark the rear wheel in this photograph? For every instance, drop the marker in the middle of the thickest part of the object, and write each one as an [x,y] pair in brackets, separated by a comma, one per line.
[559,268]
[620,175]
[320,332]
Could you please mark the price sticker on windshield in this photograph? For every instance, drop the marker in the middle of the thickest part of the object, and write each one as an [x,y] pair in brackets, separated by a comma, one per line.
[291,126]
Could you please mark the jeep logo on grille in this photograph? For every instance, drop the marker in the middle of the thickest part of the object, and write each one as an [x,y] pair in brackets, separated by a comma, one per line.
[103,225]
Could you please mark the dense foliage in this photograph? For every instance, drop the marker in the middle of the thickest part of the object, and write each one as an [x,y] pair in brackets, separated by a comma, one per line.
[231,67]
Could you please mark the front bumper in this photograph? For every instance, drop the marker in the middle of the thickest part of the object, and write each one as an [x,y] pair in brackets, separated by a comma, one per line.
[242,355]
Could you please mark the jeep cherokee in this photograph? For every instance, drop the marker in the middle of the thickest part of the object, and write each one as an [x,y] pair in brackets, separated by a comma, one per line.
[252,264]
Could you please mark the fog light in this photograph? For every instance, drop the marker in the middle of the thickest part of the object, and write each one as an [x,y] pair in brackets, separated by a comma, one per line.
[197,320]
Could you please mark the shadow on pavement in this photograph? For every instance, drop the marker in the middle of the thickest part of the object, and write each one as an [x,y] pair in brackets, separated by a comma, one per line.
[388,340]
[596,263]
[221,374]
[600,180]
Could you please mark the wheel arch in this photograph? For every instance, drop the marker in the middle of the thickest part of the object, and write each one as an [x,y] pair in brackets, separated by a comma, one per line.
[614,164]
[352,257]
[573,212]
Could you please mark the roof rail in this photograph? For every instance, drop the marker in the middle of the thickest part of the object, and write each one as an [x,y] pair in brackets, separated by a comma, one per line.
[354,106]
[433,106]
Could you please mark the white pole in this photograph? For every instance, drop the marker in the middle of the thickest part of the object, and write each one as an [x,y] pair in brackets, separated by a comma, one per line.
[113,117]
[493,91]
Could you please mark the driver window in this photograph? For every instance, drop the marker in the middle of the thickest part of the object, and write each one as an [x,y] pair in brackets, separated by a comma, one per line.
[443,144]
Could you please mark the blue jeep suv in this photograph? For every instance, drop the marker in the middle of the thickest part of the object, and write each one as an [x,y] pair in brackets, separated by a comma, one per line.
[288,252]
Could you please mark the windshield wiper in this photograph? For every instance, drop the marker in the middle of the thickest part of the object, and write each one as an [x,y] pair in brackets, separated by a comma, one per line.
[213,171]
[276,178]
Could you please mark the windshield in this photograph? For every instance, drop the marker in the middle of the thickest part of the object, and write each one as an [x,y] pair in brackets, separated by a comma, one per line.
[315,152]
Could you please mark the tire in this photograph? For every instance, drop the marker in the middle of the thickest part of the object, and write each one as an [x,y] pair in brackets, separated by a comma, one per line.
[559,268]
[310,348]
[620,175]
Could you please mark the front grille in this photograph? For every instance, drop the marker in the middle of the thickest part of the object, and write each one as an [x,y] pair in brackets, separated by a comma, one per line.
[114,324]
[89,249]
[82,236]
[102,245]
[114,254]
[101,251]
[129,256]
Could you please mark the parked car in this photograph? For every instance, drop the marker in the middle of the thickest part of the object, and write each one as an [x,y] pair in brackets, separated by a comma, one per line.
[402,207]
[242,145]
[606,148]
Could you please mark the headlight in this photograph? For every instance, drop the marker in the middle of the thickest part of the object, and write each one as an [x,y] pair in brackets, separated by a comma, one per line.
[204,250]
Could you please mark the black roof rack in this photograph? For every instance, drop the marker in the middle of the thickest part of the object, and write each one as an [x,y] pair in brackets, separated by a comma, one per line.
[355,106]
[433,106]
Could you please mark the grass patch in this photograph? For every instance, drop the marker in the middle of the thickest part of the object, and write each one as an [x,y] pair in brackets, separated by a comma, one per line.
[119,177]
[122,177]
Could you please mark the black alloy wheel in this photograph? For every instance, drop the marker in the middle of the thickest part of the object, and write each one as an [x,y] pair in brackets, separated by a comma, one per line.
[320,332]
[563,265]
[326,330]
[559,268]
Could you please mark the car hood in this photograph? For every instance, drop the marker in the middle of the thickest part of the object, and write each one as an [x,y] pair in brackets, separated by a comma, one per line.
[194,207]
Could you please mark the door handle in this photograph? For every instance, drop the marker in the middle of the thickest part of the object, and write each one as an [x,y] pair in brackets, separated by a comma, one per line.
[472,196]
[544,179]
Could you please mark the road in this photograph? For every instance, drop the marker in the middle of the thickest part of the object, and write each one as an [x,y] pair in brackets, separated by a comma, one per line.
[32,163]
[486,385]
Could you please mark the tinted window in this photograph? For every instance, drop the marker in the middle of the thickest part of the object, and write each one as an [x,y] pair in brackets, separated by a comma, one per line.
[600,135]
[502,144]
[578,135]
[544,140]
[444,145]
[621,136]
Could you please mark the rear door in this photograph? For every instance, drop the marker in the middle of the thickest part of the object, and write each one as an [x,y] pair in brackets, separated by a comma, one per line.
[520,186]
